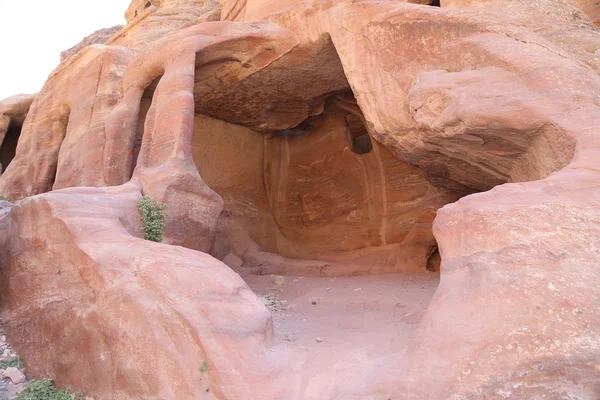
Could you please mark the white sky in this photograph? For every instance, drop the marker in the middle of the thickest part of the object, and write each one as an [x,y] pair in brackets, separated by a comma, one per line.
[34,32]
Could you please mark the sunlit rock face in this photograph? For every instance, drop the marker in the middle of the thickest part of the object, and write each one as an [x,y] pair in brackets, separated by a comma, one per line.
[311,138]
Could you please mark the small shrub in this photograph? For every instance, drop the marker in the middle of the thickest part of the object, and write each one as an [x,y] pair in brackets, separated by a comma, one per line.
[43,389]
[15,362]
[204,367]
[4,198]
[153,215]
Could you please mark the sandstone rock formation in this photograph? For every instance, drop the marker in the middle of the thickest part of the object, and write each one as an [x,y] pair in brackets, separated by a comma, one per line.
[149,20]
[101,36]
[129,315]
[313,138]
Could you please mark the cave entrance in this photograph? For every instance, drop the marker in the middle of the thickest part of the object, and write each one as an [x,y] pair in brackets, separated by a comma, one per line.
[309,207]
[321,195]
[358,136]
[307,189]
[311,199]
[9,145]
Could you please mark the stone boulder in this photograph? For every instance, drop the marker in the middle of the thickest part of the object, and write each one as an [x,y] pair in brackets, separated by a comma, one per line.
[87,301]
[14,375]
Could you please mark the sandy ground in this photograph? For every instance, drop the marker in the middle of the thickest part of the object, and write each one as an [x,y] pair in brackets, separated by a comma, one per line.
[339,326]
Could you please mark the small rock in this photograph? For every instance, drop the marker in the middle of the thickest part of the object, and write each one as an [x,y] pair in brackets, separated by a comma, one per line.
[3,338]
[314,303]
[232,261]
[14,375]
[319,340]
[279,280]
[290,338]
[328,289]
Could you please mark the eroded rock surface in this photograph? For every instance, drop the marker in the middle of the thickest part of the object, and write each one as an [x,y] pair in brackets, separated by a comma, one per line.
[70,113]
[148,20]
[134,318]
[322,140]
[101,36]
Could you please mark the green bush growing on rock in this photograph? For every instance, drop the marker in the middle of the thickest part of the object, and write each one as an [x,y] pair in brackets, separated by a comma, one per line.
[203,367]
[4,198]
[15,362]
[43,389]
[153,215]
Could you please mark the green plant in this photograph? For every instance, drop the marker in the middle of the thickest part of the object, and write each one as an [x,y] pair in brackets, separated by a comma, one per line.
[43,389]
[153,215]
[4,198]
[204,367]
[14,362]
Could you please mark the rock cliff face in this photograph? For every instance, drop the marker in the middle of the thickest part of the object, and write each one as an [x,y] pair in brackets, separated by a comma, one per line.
[323,138]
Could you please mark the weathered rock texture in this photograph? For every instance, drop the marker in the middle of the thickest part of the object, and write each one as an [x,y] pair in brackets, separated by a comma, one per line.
[101,36]
[70,111]
[149,20]
[590,7]
[131,324]
[322,140]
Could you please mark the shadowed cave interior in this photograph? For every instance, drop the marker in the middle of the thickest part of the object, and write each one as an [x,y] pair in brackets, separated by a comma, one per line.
[9,145]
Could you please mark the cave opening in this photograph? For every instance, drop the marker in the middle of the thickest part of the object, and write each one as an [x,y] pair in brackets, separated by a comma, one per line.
[9,145]
[435,3]
[317,213]
[300,174]
[360,139]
